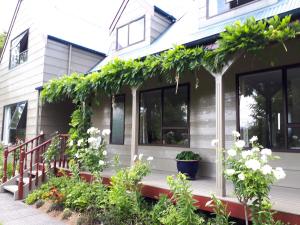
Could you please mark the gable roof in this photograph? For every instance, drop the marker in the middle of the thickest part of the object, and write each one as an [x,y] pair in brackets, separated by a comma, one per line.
[157,9]
[186,32]
[10,28]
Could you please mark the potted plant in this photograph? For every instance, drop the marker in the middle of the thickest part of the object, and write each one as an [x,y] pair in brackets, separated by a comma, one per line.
[187,163]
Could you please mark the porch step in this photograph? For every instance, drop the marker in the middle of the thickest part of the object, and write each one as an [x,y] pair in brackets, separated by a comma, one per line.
[33,173]
[25,180]
[11,188]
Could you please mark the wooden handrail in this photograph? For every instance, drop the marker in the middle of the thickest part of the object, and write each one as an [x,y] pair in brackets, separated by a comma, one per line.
[16,152]
[36,154]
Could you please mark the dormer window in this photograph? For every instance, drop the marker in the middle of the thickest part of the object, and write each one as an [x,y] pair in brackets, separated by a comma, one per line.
[19,49]
[131,33]
[216,7]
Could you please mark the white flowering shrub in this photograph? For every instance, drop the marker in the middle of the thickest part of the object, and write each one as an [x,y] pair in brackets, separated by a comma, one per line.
[91,152]
[251,173]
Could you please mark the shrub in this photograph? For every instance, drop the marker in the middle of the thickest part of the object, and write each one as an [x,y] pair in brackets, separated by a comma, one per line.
[125,204]
[67,213]
[39,203]
[188,155]
[184,212]
[252,176]
[55,207]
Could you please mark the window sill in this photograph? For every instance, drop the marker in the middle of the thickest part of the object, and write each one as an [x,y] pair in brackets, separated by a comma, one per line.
[241,10]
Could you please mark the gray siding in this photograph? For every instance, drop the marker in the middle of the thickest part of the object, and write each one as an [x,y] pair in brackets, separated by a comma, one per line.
[18,84]
[59,59]
[159,24]
[202,117]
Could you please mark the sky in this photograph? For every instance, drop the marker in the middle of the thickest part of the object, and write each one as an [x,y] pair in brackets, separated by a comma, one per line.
[102,10]
[7,8]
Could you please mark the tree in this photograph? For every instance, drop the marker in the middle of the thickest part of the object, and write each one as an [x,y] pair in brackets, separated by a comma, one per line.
[2,40]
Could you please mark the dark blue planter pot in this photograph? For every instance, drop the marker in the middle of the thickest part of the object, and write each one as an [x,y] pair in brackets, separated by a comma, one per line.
[188,167]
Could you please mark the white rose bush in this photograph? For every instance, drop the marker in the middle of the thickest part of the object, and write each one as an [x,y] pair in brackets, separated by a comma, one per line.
[251,174]
[91,151]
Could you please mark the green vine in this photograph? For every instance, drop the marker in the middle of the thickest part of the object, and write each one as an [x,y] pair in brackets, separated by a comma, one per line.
[251,36]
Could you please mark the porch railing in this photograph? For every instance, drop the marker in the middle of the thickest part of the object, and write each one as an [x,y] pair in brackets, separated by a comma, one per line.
[14,153]
[37,162]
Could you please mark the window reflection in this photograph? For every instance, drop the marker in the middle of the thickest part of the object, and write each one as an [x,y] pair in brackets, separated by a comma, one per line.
[117,126]
[261,108]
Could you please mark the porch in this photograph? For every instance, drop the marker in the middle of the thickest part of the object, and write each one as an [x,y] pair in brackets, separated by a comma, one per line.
[282,197]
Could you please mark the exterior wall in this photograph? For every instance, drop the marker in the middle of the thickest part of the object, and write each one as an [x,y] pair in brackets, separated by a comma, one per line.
[202,117]
[158,25]
[18,84]
[60,60]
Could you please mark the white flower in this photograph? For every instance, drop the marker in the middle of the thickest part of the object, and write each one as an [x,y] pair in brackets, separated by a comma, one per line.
[71,143]
[247,153]
[264,158]
[231,152]
[255,149]
[93,131]
[279,173]
[253,139]
[150,158]
[236,134]
[240,144]
[92,140]
[295,137]
[77,155]
[80,141]
[241,176]
[104,152]
[266,151]
[214,142]
[230,172]
[134,157]
[266,169]
[141,156]
[101,162]
[253,164]
[106,132]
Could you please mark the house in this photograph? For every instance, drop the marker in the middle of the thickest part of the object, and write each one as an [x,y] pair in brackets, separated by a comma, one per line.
[260,97]
[37,49]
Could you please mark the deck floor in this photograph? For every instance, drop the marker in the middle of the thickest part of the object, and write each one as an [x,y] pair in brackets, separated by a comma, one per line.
[285,199]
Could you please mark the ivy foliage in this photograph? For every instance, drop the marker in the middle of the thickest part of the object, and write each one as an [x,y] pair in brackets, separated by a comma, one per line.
[239,38]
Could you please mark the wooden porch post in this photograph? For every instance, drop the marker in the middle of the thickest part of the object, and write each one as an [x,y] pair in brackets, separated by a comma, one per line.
[220,135]
[135,123]
[220,128]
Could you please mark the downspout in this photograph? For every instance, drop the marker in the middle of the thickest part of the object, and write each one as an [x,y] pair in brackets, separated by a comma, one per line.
[69,59]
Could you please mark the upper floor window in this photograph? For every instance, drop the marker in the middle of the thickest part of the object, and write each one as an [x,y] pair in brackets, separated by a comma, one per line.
[164,116]
[216,7]
[19,50]
[131,33]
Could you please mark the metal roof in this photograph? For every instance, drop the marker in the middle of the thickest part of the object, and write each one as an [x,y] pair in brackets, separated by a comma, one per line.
[187,30]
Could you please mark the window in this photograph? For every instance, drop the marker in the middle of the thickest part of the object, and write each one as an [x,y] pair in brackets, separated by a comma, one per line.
[19,50]
[164,116]
[131,33]
[269,107]
[216,7]
[14,123]
[117,120]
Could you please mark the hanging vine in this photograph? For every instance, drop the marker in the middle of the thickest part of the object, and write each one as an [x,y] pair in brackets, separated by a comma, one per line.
[251,36]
